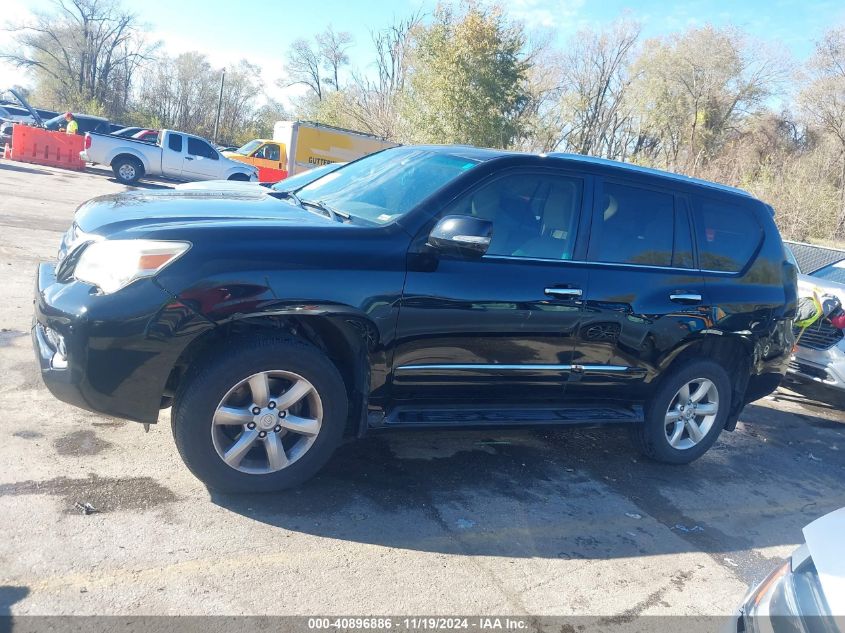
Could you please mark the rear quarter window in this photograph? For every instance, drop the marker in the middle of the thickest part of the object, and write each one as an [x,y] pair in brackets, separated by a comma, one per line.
[728,234]
[174,142]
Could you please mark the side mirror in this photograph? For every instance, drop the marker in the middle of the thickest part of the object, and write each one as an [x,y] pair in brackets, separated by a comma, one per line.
[461,235]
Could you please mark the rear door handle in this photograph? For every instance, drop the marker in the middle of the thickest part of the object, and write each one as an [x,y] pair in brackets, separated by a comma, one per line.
[685,297]
[189,158]
[565,293]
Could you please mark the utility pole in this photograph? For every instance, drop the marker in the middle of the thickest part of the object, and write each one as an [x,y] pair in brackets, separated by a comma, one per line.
[219,106]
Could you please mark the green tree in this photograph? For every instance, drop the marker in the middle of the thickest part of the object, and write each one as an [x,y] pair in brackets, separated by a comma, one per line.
[469,79]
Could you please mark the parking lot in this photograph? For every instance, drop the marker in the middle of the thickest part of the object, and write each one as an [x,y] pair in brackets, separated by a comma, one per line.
[547,522]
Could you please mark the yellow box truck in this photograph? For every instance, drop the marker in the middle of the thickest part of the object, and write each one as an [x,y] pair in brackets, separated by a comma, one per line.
[297,146]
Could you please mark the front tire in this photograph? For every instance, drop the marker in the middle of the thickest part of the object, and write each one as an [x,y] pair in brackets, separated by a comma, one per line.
[686,414]
[260,415]
[239,177]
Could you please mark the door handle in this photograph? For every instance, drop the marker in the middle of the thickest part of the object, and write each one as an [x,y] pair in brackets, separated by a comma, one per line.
[189,158]
[565,293]
[685,297]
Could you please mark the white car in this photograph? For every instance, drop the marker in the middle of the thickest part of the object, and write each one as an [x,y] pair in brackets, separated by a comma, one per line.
[288,184]
[819,357]
[807,592]
[175,155]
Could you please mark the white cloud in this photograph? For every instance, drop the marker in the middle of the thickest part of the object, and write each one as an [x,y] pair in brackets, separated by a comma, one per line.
[546,13]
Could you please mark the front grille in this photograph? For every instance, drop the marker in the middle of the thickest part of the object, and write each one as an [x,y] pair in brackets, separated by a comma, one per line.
[821,336]
[808,370]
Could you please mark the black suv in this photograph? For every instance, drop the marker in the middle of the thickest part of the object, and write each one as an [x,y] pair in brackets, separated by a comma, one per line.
[419,287]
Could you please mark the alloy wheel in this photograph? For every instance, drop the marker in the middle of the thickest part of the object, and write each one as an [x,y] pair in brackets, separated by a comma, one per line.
[266,422]
[691,413]
[126,172]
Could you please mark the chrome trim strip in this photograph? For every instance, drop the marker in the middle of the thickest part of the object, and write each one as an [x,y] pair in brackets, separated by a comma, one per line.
[582,262]
[499,367]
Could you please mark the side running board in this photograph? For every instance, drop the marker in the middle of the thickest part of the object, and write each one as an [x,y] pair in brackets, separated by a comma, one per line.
[508,416]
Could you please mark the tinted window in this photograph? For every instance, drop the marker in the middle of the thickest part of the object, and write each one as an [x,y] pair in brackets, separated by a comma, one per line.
[727,235]
[196,147]
[682,256]
[633,226]
[533,215]
[174,142]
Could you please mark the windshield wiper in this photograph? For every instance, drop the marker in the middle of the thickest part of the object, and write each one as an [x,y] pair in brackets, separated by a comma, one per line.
[289,194]
[334,214]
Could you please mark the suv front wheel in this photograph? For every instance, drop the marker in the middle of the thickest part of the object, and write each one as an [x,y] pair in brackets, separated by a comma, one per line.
[686,414]
[260,415]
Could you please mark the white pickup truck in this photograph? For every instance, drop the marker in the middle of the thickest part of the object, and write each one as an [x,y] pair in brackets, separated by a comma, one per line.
[175,155]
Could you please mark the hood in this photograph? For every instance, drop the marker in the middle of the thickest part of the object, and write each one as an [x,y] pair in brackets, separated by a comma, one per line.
[172,208]
[827,548]
[807,284]
[221,185]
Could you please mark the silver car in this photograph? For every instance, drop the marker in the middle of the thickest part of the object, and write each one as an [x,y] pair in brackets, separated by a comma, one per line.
[807,593]
[819,357]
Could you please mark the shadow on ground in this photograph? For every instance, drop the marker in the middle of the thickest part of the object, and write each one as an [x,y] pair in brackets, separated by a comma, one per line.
[570,493]
[9,595]
[7,166]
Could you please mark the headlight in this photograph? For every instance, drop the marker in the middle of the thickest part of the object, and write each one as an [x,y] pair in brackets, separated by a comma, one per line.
[790,600]
[112,264]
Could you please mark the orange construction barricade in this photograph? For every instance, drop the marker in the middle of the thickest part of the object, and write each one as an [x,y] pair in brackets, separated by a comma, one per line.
[43,147]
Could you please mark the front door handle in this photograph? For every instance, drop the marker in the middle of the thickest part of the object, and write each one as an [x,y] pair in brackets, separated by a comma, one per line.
[565,293]
[685,297]
[189,158]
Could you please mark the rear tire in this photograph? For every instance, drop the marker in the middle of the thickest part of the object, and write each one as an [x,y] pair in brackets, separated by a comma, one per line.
[127,170]
[216,404]
[239,177]
[679,428]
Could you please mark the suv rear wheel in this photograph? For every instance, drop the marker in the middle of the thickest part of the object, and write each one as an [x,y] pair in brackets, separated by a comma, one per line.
[260,415]
[686,414]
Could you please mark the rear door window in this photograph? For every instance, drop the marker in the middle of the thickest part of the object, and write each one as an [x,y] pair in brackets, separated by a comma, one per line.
[633,225]
[728,234]
[174,142]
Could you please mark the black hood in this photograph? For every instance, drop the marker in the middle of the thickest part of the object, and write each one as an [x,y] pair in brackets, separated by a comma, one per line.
[152,210]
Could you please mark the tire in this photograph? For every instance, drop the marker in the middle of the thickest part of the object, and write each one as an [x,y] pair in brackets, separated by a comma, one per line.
[211,381]
[654,438]
[239,177]
[127,170]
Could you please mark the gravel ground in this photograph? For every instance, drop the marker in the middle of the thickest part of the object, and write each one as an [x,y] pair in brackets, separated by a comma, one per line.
[550,522]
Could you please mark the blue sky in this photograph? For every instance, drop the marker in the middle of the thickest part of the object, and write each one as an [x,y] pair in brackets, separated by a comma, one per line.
[261,31]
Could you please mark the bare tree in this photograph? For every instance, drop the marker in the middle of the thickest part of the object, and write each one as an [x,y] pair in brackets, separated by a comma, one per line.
[333,49]
[303,67]
[595,76]
[83,51]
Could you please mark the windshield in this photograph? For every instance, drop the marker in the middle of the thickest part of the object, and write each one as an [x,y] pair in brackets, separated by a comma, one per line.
[248,149]
[385,186]
[833,272]
[307,177]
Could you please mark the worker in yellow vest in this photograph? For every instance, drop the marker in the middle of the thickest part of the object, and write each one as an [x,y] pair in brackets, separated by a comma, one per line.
[72,125]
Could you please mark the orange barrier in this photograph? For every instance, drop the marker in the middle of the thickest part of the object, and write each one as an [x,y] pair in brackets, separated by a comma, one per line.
[266,174]
[42,147]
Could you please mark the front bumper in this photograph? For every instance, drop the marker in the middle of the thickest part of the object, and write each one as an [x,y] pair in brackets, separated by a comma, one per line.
[119,349]
[821,367]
